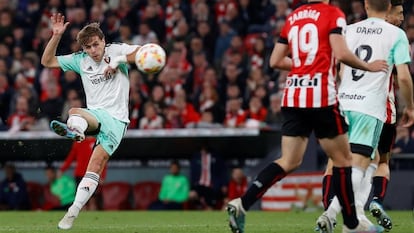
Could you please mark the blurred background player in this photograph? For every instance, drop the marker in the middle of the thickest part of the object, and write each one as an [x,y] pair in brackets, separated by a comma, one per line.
[175,189]
[13,191]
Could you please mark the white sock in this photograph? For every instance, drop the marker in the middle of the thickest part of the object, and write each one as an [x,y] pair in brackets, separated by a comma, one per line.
[334,208]
[76,121]
[357,176]
[86,188]
[366,184]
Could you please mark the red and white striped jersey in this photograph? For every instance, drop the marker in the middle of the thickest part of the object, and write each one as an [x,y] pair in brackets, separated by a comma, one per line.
[391,117]
[311,82]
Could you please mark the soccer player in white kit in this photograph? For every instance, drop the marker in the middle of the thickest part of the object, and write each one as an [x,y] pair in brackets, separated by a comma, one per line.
[363,96]
[104,73]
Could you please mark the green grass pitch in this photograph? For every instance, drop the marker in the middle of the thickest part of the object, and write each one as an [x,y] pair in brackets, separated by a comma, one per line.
[176,222]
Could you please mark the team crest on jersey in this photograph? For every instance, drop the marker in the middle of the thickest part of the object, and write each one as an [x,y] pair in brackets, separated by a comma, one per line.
[107,59]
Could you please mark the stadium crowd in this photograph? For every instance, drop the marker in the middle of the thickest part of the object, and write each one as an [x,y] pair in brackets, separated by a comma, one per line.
[217,72]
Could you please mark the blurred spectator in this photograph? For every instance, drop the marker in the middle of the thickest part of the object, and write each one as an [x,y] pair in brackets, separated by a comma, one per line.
[151,119]
[154,17]
[206,121]
[236,48]
[13,192]
[201,13]
[174,190]
[358,12]
[6,93]
[259,57]
[256,113]
[6,27]
[255,79]
[223,40]
[235,116]
[176,11]
[181,113]
[145,35]
[135,108]
[404,140]
[111,25]
[73,100]
[274,115]
[51,108]
[237,184]
[177,60]
[158,99]
[209,101]
[80,153]
[21,119]
[209,180]
[63,187]
[236,20]
[207,35]
[125,34]
[195,80]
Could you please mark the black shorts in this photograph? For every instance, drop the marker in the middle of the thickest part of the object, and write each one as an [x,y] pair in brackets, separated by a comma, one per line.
[387,138]
[326,122]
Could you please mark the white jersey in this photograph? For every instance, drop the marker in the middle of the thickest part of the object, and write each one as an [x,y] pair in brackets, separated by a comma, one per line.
[108,93]
[371,39]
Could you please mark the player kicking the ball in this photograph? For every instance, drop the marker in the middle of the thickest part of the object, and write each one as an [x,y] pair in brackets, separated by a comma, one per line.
[103,70]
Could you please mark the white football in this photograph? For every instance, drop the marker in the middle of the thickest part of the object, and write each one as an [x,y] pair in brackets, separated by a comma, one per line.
[150,58]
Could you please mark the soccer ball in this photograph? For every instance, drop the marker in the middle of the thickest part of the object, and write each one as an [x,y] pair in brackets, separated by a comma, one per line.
[150,58]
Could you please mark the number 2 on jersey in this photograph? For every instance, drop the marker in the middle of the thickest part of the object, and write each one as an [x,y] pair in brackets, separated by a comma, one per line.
[365,53]
[304,40]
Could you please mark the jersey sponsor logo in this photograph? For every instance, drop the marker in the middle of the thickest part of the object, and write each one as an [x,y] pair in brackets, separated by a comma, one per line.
[369,31]
[100,78]
[345,96]
[304,14]
[304,81]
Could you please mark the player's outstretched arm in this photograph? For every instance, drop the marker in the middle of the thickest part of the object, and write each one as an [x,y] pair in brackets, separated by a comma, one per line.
[279,58]
[343,54]
[58,28]
[113,65]
[406,89]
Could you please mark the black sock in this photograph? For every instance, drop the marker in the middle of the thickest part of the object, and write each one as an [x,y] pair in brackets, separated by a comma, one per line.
[328,192]
[265,179]
[342,183]
[379,184]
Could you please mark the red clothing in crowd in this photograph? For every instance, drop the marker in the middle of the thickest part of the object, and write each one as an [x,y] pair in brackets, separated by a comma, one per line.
[81,153]
[259,115]
[235,120]
[237,190]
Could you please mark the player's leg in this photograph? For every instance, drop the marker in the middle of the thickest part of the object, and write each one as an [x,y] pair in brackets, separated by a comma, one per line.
[109,137]
[382,176]
[337,149]
[293,149]
[87,186]
[79,122]
[327,189]
[295,133]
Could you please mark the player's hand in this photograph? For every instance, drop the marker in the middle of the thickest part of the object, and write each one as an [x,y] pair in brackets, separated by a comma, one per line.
[378,65]
[408,117]
[58,23]
[109,71]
